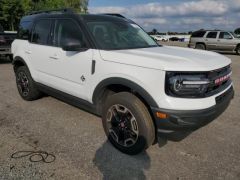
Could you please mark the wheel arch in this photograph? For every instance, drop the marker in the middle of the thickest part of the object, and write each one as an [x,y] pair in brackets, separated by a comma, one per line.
[238,45]
[17,62]
[119,85]
[202,44]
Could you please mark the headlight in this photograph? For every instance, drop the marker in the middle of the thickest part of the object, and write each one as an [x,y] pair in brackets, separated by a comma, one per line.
[186,85]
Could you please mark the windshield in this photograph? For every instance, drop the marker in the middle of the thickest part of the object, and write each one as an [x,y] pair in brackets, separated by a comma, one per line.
[119,35]
[234,35]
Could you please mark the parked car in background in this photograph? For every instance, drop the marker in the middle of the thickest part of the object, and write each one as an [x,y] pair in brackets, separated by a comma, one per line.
[160,38]
[215,40]
[174,39]
[6,39]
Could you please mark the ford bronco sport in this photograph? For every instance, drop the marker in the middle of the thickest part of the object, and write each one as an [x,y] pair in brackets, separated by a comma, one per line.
[109,66]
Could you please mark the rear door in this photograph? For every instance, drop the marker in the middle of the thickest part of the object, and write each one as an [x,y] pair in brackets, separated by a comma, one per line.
[38,50]
[225,42]
[211,40]
[67,71]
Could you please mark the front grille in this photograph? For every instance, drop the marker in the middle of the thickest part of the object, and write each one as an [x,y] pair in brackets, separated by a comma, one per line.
[214,87]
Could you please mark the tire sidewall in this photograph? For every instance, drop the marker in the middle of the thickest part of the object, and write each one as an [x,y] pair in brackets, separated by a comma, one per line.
[142,141]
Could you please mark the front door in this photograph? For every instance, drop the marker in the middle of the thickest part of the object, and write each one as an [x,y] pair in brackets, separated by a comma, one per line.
[225,42]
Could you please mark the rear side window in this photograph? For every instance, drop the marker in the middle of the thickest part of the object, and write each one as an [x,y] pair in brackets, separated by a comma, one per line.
[225,35]
[212,35]
[198,34]
[41,31]
[67,32]
[24,30]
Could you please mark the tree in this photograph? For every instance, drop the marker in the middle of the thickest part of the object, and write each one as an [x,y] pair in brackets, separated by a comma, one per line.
[12,11]
[154,31]
[78,5]
[237,31]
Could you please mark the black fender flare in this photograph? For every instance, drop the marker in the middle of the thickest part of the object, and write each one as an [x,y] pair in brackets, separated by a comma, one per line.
[18,59]
[99,90]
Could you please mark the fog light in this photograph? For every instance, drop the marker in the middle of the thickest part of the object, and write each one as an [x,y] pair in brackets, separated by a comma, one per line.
[161,115]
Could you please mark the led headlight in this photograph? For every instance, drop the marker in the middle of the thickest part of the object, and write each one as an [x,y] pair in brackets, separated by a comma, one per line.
[186,85]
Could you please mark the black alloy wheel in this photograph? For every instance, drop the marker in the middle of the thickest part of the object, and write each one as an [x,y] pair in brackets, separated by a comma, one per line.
[122,125]
[23,83]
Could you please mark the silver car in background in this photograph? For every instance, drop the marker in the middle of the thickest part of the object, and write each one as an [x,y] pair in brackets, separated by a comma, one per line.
[215,40]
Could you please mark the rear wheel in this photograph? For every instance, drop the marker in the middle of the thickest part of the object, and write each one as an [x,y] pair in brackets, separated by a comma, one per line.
[200,46]
[25,84]
[127,123]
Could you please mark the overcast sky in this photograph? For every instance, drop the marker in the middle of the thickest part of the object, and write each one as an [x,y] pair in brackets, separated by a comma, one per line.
[174,15]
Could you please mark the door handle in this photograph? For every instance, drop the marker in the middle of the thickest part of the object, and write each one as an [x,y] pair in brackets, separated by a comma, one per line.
[206,40]
[28,52]
[54,57]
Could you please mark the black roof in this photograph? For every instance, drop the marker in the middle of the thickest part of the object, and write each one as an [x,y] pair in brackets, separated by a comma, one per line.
[70,13]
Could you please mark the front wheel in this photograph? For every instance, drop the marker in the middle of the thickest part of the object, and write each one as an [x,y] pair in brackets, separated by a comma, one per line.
[127,123]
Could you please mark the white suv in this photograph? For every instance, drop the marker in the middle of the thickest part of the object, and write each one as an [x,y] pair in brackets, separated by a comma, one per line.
[109,66]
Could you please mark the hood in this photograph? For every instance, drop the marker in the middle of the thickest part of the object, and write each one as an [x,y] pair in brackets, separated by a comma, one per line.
[168,58]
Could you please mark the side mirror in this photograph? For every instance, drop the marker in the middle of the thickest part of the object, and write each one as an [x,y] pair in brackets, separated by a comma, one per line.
[74,45]
[73,48]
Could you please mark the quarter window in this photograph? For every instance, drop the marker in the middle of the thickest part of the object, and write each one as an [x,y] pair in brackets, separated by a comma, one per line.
[67,32]
[198,34]
[41,31]
[212,35]
[24,30]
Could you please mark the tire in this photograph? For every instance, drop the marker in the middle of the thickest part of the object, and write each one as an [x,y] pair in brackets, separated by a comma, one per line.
[200,46]
[127,123]
[238,50]
[25,84]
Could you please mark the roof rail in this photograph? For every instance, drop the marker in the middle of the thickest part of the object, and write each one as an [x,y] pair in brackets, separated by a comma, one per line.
[114,14]
[63,10]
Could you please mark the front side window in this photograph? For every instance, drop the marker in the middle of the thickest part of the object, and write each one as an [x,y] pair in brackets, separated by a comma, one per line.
[212,35]
[41,31]
[112,35]
[225,35]
[67,32]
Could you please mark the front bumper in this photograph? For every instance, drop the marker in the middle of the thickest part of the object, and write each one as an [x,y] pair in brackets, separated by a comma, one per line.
[182,120]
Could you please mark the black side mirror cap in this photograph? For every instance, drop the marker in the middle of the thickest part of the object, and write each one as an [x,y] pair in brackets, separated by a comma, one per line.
[74,48]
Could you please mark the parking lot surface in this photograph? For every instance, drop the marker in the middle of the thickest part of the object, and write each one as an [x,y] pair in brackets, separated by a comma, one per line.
[77,140]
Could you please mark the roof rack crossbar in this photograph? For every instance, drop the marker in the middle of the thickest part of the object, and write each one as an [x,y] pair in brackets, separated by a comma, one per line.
[114,14]
[63,10]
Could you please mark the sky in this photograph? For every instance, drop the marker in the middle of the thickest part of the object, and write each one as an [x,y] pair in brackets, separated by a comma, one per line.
[174,15]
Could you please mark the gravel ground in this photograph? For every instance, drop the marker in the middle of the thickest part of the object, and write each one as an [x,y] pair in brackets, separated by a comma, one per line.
[77,140]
